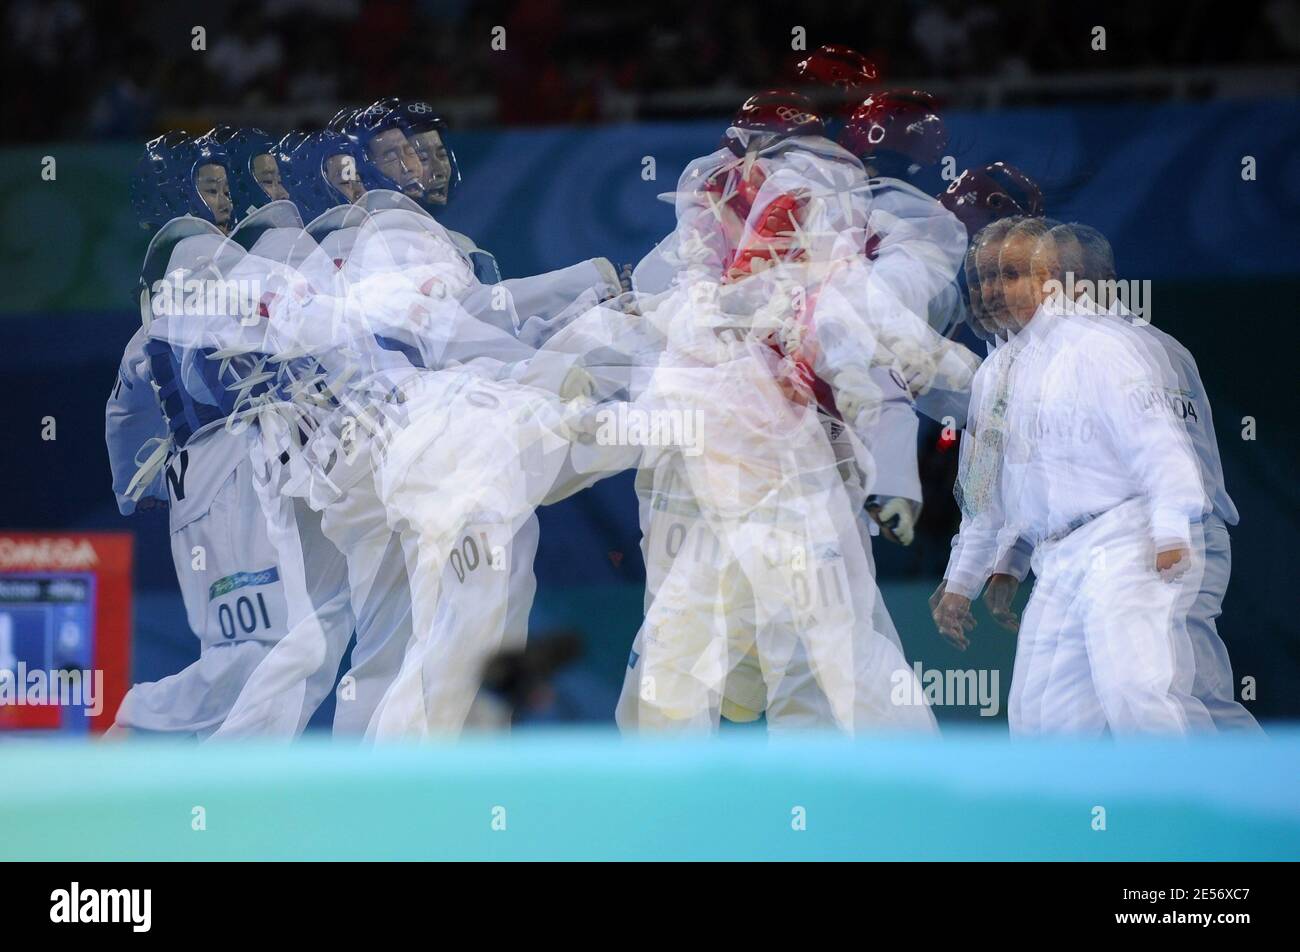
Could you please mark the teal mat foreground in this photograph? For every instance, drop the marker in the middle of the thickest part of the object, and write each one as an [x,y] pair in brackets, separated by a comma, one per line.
[593,795]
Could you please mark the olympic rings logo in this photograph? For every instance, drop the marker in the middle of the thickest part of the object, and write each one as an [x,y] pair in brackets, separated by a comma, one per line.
[792,114]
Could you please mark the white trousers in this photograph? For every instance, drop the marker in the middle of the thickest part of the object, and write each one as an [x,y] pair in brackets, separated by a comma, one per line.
[760,593]
[1213,685]
[299,671]
[232,579]
[1101,645]
[461,484]
[380,595]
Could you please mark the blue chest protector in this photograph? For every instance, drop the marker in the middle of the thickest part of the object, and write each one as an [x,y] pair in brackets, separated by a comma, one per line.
[485,266]
[194,389]
[184,412]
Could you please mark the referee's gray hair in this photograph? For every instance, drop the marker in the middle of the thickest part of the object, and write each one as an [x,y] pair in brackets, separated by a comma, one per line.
[1032,227]
[1036,228]
[1084,251]
[993,231]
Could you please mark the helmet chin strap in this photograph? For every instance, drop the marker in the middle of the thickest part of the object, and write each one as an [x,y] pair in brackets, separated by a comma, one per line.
[749,142]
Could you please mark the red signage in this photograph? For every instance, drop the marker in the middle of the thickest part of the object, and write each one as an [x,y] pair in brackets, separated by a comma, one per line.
[65,623]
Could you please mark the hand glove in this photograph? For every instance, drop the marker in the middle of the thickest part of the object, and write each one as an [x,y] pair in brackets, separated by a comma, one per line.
[857,397]
[916,366]
[612,283]
[577,384]
[897,520]
[585,419]
[956,368]
[629,303]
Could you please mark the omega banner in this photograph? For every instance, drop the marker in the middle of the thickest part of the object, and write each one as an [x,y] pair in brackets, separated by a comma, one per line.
[65,621]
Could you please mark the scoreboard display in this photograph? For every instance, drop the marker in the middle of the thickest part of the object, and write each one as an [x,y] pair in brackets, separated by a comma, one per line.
[65,601]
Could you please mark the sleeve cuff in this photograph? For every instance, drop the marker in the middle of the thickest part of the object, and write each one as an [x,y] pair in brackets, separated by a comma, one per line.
[963,583]
[1016,562]
[1170,527]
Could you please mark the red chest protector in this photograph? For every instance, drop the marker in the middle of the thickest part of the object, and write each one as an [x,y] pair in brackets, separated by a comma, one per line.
[802,384]
[735,191]
[731,192]
[775,233]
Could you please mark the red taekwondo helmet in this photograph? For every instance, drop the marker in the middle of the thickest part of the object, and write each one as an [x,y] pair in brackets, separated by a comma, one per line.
[981,196]
[840,67]
[774,115]
[897,125]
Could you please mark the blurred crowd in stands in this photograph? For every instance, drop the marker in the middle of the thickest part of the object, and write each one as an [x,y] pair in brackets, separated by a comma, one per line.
[124,68]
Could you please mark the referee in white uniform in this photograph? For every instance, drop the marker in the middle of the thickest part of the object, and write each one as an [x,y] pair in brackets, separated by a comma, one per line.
[1070,448]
